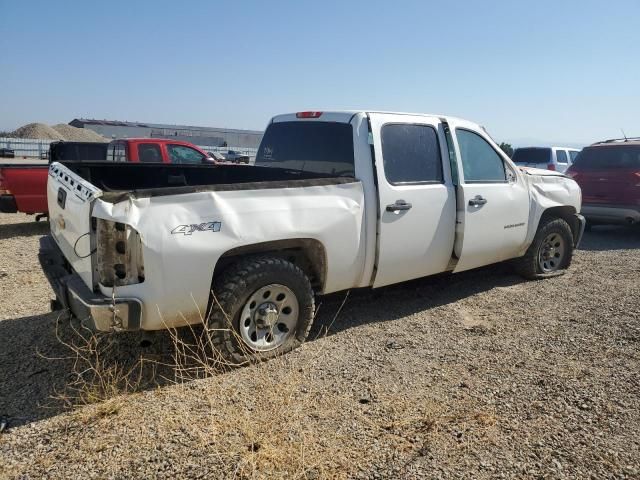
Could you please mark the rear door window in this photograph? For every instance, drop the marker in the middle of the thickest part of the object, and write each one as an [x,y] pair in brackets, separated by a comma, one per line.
[561,156]
[310,146]
[149,153]
[411,154]
[480,162]
[184,154]
[120,152]
[110,152]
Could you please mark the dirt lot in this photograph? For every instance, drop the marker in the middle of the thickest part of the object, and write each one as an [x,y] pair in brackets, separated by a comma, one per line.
[477,375]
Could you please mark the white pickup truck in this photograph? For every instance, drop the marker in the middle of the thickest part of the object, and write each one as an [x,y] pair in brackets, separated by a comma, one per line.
[337,200]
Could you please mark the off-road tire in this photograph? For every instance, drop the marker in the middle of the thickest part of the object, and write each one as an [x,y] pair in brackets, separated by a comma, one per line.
[232,289]
[528,266]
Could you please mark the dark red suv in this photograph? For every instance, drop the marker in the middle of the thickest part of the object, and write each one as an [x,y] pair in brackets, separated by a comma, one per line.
[609,175]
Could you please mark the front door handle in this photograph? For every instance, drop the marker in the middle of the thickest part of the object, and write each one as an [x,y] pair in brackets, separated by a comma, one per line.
[400,205]
[477,201]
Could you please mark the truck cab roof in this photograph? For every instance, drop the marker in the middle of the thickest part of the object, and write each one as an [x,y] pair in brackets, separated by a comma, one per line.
[152,140]
[345,116]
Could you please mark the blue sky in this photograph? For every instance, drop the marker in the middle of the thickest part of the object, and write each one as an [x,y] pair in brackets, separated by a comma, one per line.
[543,71]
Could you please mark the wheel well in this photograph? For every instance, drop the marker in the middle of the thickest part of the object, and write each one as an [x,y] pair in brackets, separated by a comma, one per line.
[306,253]
[567,213]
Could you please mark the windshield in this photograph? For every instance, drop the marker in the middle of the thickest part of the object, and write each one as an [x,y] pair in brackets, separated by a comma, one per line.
[319,147]
[532,155]
[614,156]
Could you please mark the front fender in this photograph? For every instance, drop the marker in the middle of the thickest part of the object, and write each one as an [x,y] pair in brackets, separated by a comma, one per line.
[555,195]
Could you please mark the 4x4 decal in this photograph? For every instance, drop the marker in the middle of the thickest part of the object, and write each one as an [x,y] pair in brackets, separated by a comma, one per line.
[197,227]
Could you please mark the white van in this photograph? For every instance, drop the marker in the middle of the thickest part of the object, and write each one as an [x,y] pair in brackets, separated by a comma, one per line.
[549,158]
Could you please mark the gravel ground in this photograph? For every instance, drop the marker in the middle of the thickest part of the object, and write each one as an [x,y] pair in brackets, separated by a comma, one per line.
[477,375]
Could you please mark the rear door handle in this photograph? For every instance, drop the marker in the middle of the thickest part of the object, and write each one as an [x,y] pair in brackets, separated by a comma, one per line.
[477,201]
[398,206]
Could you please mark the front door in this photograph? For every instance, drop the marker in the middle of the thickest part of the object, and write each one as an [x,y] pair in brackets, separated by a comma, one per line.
[417,198]
[493,203]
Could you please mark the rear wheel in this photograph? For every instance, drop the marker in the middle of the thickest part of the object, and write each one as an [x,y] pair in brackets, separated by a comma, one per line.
[550,252]
[261,307]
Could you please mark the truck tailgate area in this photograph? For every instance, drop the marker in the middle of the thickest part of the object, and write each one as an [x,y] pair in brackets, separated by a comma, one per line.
[70,199]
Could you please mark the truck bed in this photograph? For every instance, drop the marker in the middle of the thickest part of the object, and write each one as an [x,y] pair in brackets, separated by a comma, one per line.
[139,180]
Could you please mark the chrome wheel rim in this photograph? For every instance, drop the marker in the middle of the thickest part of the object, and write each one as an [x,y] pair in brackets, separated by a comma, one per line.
[268,317]
[551,253]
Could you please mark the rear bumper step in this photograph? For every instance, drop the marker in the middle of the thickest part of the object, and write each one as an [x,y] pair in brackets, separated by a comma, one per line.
[95,311]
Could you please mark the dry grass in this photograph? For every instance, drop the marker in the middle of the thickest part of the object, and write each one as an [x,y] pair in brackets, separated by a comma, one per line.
[96,373]
[273,419]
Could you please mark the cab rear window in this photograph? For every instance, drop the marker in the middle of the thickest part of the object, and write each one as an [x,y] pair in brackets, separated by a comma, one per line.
[318,147]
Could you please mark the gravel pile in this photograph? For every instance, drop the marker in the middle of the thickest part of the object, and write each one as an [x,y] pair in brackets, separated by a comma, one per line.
[37,131]
[77,134]
[61,131]
[477,375]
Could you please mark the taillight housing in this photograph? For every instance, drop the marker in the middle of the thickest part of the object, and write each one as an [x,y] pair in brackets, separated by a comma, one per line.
[551,166]
[119,258]
[308,114]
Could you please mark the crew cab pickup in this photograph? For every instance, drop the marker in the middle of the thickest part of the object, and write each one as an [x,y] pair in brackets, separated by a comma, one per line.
[156,150]
[23,188]
[337,200]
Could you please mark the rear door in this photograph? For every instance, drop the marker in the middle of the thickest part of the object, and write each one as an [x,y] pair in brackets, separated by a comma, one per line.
[69,199]
[493,201]
[416,195]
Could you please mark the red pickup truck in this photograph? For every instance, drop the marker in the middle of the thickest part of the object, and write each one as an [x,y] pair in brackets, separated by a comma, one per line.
[23,188]
[156,150]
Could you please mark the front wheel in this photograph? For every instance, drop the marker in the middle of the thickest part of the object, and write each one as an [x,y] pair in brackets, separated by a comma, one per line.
[261,307]
[551,251]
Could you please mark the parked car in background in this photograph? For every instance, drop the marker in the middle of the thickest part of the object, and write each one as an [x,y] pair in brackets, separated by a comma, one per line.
[156,150]
[7,153]
[23,188]
[548,158]
[218,157]
[236,157]
[609,175]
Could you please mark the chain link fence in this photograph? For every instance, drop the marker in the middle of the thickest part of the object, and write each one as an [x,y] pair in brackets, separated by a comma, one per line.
[35,148]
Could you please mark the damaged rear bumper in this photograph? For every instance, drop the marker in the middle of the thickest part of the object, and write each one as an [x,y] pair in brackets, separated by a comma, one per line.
[96,311]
